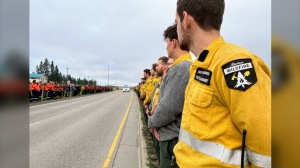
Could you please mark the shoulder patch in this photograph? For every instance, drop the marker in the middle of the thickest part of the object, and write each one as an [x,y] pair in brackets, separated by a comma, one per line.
[239,74]
[203,76]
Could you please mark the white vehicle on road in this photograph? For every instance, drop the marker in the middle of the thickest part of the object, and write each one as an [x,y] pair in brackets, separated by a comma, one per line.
[126,88]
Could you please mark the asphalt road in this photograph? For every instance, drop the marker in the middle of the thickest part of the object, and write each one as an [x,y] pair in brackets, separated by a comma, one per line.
[75,133]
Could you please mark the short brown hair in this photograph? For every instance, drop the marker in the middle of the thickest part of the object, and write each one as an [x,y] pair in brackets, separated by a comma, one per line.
[153,66]
[147,71]
[208,14]
[164,59]
[171,32]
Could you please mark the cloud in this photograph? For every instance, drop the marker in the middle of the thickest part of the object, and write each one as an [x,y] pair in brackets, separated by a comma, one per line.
[86,35]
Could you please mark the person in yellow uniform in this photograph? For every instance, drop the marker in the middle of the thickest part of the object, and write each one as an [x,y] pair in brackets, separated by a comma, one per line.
[167,115]
[149,98]
[226,119]
[160,72]
[149,87]
[141,89]
[146,76]
[148,80]
[82,90]
[155,82]
[137,88]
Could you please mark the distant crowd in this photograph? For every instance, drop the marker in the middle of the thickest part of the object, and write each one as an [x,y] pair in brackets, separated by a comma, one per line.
[51,90]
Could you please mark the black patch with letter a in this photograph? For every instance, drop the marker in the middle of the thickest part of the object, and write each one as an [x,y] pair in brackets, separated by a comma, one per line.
[203,76]
[239,74]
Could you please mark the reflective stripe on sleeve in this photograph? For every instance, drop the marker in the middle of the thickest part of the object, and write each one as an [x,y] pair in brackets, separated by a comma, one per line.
[259,159]
[214,150]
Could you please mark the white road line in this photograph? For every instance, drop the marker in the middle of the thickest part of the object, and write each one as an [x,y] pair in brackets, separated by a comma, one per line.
[34,123]
[85,105]
[61,113]
[64,101]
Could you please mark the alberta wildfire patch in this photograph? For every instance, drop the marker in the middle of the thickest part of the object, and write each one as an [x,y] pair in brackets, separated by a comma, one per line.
[239,74]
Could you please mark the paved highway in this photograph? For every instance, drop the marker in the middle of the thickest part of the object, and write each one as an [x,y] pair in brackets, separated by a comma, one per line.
[76,132]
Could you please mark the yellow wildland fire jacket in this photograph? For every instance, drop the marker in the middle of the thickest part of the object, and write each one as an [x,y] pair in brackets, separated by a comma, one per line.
[229,91]
[148,89]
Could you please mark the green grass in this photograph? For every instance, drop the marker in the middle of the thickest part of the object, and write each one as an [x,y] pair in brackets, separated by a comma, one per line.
[146,131]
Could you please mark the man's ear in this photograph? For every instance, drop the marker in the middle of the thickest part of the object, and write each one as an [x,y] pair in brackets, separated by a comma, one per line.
[165,67]
[186,21]
[174,43]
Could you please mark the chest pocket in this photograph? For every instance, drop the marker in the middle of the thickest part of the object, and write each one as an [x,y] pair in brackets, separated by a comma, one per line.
[201,107]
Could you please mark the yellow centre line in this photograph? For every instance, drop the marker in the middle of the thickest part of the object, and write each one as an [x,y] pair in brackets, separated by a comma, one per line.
[113,145]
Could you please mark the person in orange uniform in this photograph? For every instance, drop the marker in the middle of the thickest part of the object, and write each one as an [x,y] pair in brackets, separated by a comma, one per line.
[59,90]
[41,90]
[50,90]
[226,119]
[30,92]
[38,91]
[92,89]
[87,88]
[45,91]
[55,90]
[34,90]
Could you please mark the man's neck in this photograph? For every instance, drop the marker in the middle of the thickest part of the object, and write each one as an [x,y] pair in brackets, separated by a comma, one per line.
[179,53]
[164,74]
[200,44]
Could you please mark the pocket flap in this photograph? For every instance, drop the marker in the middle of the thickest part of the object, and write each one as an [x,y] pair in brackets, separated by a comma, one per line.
[202,97]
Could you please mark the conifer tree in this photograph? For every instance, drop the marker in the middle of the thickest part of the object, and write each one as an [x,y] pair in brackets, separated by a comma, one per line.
[46,67]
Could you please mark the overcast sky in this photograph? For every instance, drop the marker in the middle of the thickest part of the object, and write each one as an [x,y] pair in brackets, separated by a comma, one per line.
[85,35]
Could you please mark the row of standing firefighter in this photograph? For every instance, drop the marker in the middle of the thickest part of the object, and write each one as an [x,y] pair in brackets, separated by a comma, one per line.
[51,90]
[211,111]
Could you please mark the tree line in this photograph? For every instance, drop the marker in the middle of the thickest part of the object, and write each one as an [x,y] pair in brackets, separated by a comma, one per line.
[51,71]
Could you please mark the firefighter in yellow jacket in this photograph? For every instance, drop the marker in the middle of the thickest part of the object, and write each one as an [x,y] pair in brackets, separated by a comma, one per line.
[153,79]
[147,81]
[141,88]
[149,85]
[226,119]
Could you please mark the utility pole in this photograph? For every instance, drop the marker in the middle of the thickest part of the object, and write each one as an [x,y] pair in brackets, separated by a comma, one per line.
[67,73]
